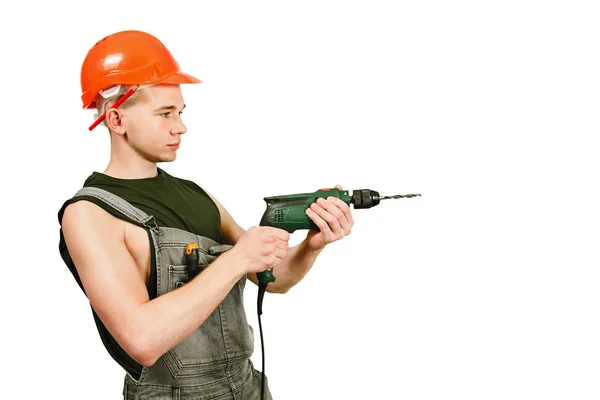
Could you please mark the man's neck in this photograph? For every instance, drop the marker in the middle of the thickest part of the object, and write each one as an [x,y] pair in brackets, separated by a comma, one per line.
[131,170]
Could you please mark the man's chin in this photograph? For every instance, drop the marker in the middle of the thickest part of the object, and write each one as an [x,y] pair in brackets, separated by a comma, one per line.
[164,158]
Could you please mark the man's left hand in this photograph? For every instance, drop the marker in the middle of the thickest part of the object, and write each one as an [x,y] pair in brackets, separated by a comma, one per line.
[334,219]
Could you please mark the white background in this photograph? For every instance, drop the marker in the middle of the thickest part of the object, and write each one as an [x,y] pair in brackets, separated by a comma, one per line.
[486,287]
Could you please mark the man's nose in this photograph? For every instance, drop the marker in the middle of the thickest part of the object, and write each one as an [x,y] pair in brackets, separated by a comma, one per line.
[179,127]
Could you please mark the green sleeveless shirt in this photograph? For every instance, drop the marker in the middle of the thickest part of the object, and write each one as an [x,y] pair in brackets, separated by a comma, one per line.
[174,202]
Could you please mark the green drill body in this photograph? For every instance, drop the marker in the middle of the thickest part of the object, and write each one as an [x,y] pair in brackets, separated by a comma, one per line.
[288,212]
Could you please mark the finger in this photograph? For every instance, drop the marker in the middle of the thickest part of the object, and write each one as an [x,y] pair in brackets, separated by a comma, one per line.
[282,244]
[331,219]
[335,211]
[339,186]
[273,260]
[280,253]
[320,222]
[345,208]
[281,234]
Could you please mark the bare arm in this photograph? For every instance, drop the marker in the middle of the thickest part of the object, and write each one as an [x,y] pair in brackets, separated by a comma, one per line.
[145,329]
[292,269]
[289,272]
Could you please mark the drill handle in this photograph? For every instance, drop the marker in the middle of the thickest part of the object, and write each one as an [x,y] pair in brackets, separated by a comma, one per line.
[267,275]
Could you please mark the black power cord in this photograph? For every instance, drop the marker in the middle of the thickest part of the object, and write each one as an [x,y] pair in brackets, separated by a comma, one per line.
[262,288]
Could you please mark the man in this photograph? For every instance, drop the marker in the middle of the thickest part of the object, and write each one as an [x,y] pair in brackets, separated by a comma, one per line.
[125,238]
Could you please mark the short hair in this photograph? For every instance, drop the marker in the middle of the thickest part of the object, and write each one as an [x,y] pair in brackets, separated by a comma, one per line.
[103,104]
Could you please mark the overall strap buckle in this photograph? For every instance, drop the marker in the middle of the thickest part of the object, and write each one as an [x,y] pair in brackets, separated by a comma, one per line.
[150,223]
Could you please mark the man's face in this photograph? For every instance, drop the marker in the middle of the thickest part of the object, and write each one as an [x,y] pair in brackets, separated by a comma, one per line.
[154,123]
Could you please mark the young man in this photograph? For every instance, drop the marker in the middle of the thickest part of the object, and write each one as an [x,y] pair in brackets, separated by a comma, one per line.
[125,238]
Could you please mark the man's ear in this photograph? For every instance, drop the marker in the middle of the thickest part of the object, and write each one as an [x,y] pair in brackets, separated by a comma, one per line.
[114,121]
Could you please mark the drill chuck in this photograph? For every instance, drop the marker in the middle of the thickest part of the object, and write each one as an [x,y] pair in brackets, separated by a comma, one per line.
[365,198]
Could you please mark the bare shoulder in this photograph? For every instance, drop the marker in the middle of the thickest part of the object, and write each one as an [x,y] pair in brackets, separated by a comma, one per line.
[82,213]
[87,226]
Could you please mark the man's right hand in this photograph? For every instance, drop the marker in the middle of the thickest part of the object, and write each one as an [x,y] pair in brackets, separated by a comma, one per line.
[261,248]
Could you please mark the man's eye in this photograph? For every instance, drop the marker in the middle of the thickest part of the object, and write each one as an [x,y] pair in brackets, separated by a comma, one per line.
[165,114]
[180,113]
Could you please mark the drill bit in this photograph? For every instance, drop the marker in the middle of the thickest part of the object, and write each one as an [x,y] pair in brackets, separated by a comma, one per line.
[367,198]
[399,196]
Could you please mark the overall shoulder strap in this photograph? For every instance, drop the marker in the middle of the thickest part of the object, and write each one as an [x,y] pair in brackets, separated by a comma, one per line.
[121,205]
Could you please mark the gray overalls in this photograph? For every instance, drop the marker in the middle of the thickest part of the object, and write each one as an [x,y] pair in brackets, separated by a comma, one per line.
[214,361]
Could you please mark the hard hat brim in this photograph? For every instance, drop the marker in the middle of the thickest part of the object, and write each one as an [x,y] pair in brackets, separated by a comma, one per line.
[180,77]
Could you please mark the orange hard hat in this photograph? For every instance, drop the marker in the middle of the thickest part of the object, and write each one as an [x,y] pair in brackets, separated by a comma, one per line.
[128,58]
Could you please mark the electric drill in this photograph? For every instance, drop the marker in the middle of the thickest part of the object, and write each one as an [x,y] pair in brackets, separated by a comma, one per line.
[288,212]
